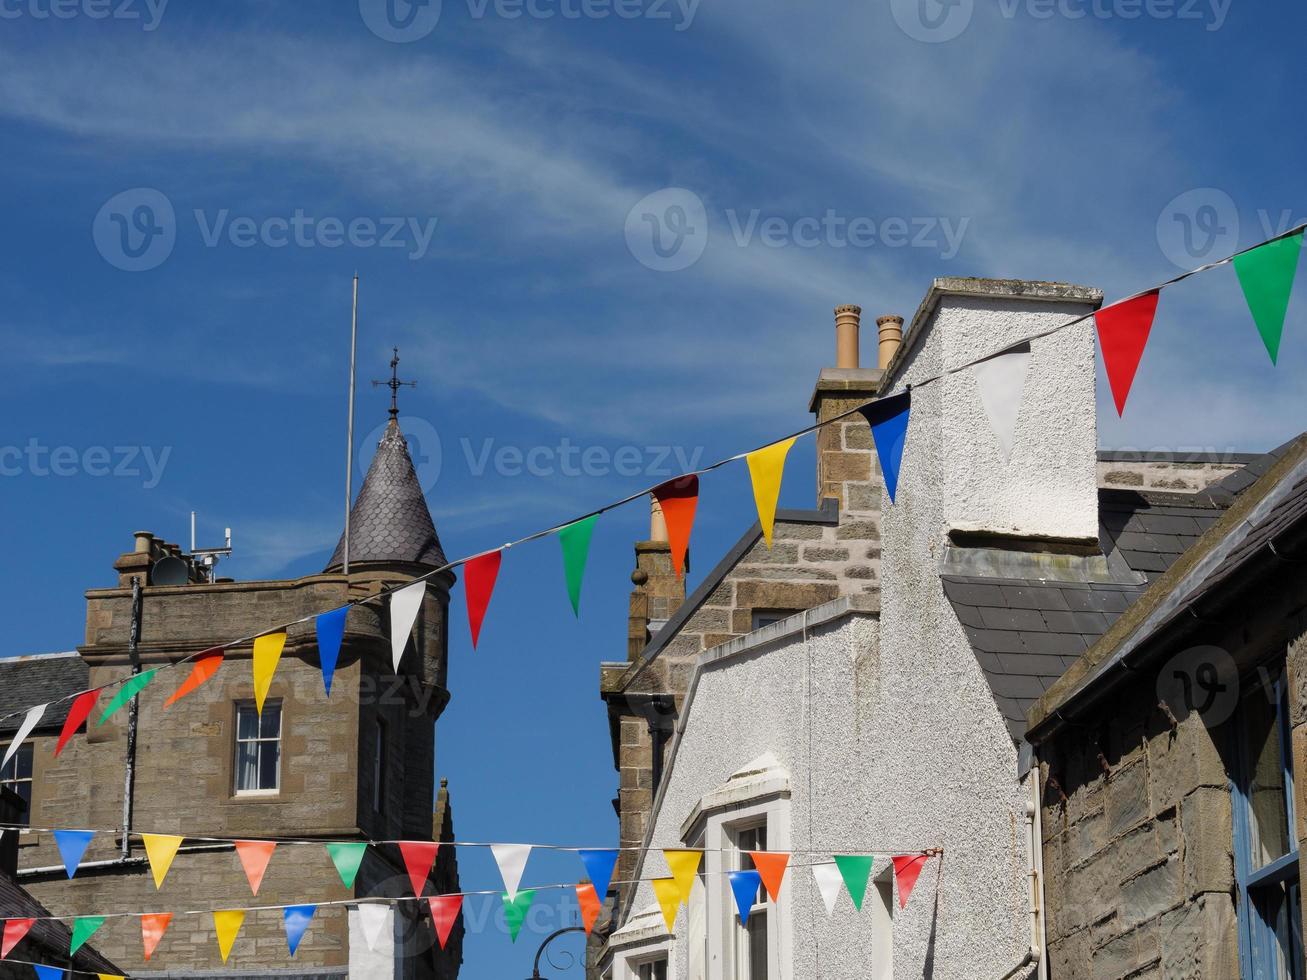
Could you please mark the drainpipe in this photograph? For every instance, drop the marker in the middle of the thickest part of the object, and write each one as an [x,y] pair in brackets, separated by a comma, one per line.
[129,776]
[1034,955]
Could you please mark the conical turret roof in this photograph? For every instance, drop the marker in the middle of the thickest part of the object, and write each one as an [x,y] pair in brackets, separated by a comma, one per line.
[389,522]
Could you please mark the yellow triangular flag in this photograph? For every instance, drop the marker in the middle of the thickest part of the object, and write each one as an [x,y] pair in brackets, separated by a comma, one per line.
[267,651]
[684,866]
[766,466]
[227,924]
[110,976]
[668,893]
[160,849]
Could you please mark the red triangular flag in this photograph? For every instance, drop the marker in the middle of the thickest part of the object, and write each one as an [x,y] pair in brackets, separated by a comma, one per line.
[206,665]
[419,856]
[77,714]
[152,929]
[590,905]
[255,855]
[1123,333]
[479,576]
[678,499]
[906,871]
[444,913]
[15,930]
[771,869]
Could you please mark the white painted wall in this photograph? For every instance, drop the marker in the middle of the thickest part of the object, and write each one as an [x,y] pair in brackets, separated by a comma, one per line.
[887,727]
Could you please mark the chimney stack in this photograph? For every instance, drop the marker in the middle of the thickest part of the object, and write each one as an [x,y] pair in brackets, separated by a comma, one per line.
[891,338]
[847,321]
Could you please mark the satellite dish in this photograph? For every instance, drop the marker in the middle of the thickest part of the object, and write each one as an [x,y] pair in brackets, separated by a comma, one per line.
[170,571]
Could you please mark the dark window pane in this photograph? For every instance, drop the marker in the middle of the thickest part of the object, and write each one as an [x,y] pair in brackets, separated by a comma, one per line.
[758,946]
[247,722]
[269,758]
[24,761]
[271,727]
[1268,804]
[247,776]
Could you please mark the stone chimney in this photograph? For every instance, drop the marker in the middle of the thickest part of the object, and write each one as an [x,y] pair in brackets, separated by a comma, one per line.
[658,590]
[846,466]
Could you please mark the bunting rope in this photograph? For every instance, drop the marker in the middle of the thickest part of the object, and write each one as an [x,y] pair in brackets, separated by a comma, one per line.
[891,478]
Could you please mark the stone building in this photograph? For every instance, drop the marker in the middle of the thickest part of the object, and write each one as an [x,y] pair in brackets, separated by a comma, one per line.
[1171,818]
[925,632]
[358,765]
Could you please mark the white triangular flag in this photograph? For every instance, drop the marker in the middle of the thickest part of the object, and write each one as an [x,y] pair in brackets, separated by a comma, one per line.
[404,608]
[829,883]
[374,919]
[511,859]
[25,729]
[1001,379]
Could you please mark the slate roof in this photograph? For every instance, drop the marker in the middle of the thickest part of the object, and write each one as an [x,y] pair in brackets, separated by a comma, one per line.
[1026,632]
[50,937]
[390,522]
[40,679]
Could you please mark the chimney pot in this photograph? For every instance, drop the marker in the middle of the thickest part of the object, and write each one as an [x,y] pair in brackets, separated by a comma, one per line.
[890,328]
[143,539]
[847,321]
[657,522]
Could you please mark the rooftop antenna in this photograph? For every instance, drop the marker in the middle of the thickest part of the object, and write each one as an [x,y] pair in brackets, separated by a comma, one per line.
[207,558]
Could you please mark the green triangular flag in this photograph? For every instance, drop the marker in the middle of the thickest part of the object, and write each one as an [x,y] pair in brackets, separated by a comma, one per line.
[515,910]
[347,858]
[125,693]
[84,927]
[1266,275]
[856,871]
[575,539]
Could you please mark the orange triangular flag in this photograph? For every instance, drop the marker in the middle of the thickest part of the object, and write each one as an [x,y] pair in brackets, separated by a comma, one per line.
[255,855]
[206,665]
[678,499]
[906,871]
[771,869]
[152,930]
[590,905]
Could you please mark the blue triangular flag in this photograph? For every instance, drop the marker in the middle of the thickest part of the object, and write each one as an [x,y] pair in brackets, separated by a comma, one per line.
[49,972]
[331,629]
[745,885]
[599,866]
[888,419]
[297,920]
[72,845]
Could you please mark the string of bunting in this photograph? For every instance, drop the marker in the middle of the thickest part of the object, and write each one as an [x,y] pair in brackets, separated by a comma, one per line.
[1266,274]
[848,872]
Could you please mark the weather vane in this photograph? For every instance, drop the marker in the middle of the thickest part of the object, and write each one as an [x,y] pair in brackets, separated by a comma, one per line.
[394,384]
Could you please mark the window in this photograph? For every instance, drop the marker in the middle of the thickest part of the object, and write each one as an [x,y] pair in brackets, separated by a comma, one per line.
[751,957]
[17,776]
[379,767]
[1266,853]
[258,748]
[765,617]
[652,970]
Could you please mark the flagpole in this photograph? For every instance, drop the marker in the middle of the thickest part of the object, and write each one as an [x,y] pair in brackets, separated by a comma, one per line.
[349,440]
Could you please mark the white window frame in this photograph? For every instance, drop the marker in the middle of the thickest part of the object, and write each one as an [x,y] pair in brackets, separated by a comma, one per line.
[237,742]
[723,922]
[628,966]
[881,895]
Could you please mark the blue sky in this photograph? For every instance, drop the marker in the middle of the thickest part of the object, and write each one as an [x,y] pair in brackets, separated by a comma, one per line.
[485,170]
